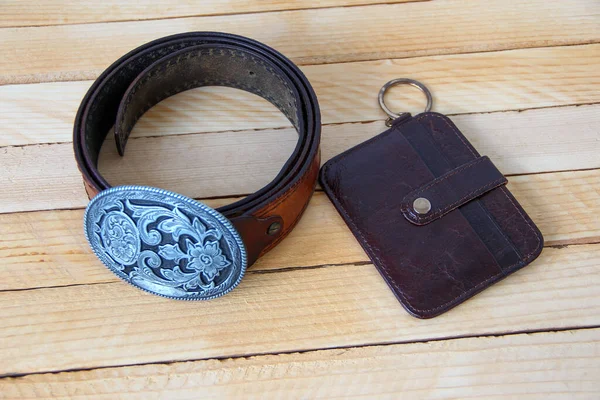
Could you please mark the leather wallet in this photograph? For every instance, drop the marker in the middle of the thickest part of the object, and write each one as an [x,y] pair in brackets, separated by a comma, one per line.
[433,215]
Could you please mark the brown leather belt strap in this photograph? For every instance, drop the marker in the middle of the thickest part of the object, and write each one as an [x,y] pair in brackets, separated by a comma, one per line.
[164,67]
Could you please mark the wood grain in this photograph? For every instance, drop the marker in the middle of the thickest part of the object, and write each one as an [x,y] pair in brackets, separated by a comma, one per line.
[71,52]
[44,249]
[308,308]
[16,13]
[565,205]
[61,310]
[541,365]
[42,177]
[469,83]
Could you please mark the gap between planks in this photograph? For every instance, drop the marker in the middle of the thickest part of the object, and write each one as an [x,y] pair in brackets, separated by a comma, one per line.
[287,311]
[52,12]
[39,177]
[338,349]
[327,35]
[473,83]
[48,248]
[516,365]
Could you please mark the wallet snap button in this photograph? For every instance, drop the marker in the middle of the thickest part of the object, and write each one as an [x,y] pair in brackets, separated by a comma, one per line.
[422,205]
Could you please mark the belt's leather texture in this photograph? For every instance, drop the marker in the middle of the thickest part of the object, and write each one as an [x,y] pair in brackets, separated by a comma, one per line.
[167,66]
[475,233]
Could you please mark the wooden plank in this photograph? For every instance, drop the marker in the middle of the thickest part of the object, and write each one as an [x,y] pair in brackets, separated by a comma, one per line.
[308,308]
[44,113]
[26,120]
[471,83]
[71,52]
[42,177]
[548,365]
[44,249]
[53,182]
[16,13]
[565,205]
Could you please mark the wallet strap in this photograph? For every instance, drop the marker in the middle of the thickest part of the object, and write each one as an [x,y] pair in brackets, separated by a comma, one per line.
[451,190]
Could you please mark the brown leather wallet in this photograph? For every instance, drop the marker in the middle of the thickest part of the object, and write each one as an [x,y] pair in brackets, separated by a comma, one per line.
[433,215]
[164,67]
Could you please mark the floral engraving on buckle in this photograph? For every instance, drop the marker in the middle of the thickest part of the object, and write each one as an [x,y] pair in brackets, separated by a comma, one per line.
[165,243]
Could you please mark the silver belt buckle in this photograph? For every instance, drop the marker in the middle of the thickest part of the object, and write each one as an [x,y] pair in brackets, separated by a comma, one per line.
[165,243]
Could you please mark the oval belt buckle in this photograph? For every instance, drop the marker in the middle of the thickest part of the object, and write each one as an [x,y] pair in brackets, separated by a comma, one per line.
[165,243]
[402,81]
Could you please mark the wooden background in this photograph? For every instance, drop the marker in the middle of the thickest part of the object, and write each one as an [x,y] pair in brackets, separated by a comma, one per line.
[313,318]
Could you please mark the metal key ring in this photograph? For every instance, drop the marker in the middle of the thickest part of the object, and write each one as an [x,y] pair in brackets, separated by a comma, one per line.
[402,81]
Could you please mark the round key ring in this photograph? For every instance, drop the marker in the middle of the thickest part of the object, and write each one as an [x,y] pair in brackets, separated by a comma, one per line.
[402,81]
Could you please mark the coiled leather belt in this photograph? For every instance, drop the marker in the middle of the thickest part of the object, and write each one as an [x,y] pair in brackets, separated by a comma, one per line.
[166,243]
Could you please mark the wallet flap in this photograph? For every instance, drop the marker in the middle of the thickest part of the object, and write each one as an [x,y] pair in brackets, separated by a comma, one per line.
[451,190]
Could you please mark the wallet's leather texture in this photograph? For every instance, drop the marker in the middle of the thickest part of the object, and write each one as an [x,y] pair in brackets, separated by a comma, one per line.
[475,233]
[166,66]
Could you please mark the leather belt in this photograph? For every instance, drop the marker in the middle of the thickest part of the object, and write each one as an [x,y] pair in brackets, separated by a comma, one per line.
[164,242]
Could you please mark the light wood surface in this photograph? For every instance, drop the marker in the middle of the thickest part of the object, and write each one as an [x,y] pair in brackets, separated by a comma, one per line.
[313,318]
[52,12]
[487,82]
[111,324]
[549,139]
[327,35]
[562,204]
[541,365]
